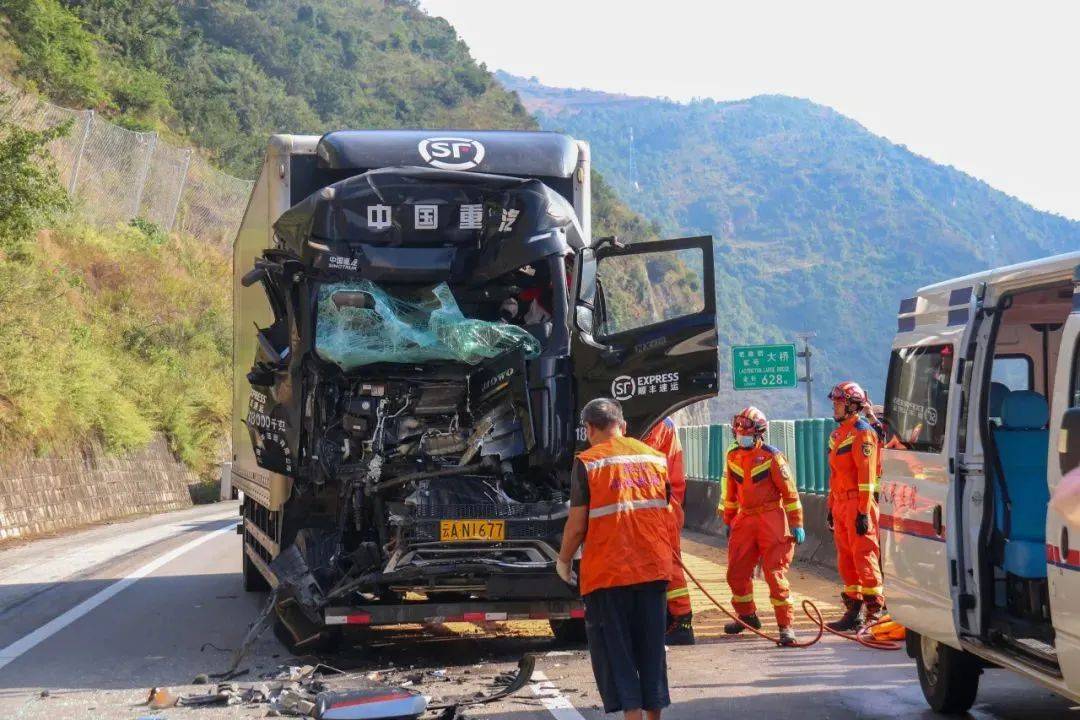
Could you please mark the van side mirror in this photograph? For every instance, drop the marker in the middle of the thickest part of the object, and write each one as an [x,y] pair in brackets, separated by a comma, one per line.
[1069,441]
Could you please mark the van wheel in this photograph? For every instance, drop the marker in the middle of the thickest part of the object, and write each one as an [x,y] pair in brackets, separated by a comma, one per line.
[949,677]
[253,579]
[568,632]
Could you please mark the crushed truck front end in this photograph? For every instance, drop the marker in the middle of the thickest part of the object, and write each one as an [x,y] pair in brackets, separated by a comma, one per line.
[403,411]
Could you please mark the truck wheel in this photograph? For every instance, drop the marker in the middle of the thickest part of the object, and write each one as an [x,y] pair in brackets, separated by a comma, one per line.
[568,632]
[253,579]
[949,677]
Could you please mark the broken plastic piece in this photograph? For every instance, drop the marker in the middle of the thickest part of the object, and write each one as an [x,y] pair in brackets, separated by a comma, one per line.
[370,704]
[429,326]
[161,698]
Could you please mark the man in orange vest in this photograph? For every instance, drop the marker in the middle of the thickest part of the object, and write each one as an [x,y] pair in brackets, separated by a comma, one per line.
[853,514]
[764,515]
[619,509]
[680,629]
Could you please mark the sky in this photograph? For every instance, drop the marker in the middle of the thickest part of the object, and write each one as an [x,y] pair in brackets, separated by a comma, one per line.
[991,88]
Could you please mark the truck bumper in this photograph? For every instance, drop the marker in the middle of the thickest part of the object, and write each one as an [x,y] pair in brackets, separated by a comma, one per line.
[433,613]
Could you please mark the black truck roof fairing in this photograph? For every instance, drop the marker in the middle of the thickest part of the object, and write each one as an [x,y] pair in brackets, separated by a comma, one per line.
[509,152]
[413,224]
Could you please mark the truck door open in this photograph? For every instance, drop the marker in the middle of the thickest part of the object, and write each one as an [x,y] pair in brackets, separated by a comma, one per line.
[646,327]
[1063,527]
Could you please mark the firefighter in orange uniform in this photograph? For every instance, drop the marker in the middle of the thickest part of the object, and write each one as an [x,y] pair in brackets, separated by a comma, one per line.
[663,437]
[853,515]
[765,521]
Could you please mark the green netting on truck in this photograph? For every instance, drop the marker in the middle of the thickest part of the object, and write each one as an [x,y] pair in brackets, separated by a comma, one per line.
[360,323]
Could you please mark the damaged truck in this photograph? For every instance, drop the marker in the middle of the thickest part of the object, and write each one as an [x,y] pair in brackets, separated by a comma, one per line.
[418,318]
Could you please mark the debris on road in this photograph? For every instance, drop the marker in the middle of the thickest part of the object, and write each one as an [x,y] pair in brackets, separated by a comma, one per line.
[161,698]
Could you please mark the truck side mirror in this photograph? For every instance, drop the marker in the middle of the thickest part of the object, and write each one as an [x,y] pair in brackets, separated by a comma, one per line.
[1069,441]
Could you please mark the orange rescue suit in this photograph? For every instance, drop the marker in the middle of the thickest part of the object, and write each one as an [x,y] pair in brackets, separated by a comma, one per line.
[664,438]
[761,505]
[853,464]
[628,540]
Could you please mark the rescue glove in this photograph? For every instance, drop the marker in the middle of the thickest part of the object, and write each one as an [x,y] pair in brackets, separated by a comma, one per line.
[829,521]
[799,534]
[565,572]
[862,524]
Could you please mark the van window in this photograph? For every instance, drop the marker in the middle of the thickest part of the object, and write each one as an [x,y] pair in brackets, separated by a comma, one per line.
[917,396]
[1013,371]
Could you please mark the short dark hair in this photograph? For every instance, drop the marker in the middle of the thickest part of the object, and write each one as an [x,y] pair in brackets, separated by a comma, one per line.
[602,413]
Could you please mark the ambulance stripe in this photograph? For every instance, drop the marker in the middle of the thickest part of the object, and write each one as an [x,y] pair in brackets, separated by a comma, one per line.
[627,506]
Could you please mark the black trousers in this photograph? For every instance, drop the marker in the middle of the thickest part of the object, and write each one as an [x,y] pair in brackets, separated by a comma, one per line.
[625,627]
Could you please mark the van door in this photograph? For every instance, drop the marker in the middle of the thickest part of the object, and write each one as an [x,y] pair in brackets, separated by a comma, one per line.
[1062,528]
[645,322]
[923,401]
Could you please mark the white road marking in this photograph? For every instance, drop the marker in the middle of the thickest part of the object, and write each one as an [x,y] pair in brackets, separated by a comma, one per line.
[553,700]
[10,653]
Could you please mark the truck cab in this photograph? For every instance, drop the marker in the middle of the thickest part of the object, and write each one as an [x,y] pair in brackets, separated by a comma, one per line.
[980,550]
[419,316]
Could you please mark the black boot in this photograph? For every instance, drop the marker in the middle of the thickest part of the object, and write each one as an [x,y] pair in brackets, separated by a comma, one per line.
[852,619]
[680,630]
[734,628]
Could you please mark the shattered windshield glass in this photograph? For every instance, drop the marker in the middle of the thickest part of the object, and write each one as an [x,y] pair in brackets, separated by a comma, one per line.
[360,323]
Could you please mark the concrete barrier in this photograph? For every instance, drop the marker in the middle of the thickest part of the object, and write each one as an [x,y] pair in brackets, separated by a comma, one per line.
[703,497]
[85,485]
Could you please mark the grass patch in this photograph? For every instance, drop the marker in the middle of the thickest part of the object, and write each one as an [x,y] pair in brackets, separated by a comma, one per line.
[116,334]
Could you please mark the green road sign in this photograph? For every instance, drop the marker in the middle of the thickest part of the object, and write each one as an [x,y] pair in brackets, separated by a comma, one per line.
[763,367]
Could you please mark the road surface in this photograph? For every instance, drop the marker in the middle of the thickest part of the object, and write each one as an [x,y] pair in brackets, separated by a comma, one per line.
[90,621]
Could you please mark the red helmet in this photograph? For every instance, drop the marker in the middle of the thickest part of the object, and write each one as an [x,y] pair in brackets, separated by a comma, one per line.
[851,393]
[750,421]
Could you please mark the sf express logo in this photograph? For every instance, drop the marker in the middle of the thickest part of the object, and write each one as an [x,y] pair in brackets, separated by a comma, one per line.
[451,153]
[625,387]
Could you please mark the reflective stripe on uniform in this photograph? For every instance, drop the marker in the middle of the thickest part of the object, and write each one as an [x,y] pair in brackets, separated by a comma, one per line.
[873,590]
[735,469]
[731,504]
[845,443]
[627,506]
[851,588]
[793,506]
[779,602]
[742,598]
[626,460]
[760,468]
[863,487]
[678,593]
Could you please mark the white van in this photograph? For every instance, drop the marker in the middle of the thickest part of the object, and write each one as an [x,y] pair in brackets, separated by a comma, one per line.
[983,388]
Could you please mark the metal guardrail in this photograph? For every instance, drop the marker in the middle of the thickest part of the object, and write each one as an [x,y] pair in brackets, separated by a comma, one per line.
[804,443]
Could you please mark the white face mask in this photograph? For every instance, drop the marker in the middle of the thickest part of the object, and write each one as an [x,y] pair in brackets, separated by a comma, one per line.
[745,441]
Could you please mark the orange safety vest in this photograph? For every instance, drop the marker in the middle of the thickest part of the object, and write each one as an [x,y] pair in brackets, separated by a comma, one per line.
[628,540]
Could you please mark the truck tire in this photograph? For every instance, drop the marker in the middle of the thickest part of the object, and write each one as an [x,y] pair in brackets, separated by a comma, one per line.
[949,678]
[253,579]
[568,632]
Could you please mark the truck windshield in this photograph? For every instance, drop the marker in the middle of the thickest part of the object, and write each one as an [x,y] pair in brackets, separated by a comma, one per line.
[359,323]
[917,397]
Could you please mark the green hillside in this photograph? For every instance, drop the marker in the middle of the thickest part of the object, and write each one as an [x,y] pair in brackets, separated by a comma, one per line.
[823,225]
[225,74]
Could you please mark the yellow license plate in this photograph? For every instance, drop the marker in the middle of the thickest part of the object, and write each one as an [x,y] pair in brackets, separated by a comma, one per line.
[469,530]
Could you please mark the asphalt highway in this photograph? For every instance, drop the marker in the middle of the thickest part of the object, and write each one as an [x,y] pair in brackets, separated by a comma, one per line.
[90,621]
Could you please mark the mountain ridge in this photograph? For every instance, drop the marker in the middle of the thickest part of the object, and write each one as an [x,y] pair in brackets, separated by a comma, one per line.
[823,225]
